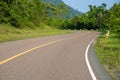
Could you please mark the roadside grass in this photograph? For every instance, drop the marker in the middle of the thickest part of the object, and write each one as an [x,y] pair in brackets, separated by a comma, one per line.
[108,52]
[8,33]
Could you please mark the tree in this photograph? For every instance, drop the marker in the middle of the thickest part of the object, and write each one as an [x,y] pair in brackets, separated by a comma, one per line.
[112,20]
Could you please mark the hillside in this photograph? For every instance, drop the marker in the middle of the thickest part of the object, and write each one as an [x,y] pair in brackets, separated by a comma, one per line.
[55,2]
[71,12]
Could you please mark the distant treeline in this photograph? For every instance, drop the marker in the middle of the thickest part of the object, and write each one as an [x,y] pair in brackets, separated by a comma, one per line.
[97,18]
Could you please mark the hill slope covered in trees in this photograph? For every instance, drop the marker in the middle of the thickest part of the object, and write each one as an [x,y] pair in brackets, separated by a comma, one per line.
[71,12]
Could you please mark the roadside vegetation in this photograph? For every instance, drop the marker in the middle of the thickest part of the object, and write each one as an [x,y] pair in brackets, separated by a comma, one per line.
[21,19]
[9,33]
[108,51]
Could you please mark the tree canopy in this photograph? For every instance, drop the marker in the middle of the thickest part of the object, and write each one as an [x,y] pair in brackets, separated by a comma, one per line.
[33,13]
[29,13]
[98,17]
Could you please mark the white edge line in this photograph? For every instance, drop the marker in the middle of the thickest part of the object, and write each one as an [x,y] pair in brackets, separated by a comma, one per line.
[87,60]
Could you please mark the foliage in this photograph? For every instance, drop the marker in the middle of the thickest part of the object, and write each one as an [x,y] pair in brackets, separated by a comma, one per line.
[112,20]
[29,13]
[98,18]
[33,13]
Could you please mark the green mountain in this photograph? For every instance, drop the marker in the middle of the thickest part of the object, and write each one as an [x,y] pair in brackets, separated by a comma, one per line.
[71,12]
[55,2]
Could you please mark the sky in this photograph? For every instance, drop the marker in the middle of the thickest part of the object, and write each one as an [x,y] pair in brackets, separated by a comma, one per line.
[82,5]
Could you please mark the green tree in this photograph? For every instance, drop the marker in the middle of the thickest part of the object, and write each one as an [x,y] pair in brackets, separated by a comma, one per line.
[4,12]
[112,20]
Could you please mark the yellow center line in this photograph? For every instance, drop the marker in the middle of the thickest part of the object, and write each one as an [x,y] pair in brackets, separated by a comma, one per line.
[29,50]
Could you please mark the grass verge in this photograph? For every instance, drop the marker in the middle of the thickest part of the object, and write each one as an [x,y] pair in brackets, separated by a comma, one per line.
[108,52]
[8,33]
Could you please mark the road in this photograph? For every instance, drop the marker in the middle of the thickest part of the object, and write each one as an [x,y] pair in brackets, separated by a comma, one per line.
[60,57]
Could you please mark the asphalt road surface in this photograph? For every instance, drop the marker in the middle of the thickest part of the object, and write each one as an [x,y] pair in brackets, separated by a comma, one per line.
[60,57]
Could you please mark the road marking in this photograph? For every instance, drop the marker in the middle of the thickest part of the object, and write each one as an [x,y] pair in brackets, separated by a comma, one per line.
[29,50]
[87,60]
[25,52]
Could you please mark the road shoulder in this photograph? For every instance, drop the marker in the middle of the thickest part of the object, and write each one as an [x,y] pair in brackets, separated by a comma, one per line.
[98,69]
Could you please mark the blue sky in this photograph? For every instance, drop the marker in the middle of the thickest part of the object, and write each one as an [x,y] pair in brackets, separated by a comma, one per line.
[82,5]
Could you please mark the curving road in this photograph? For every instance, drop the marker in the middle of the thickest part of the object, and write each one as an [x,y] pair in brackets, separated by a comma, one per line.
[60,57]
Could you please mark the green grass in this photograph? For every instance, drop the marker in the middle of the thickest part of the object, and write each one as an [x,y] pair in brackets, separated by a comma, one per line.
[8,33]
[108,51]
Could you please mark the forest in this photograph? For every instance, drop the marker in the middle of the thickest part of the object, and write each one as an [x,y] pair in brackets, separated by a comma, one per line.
[33,13]
[28,13]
